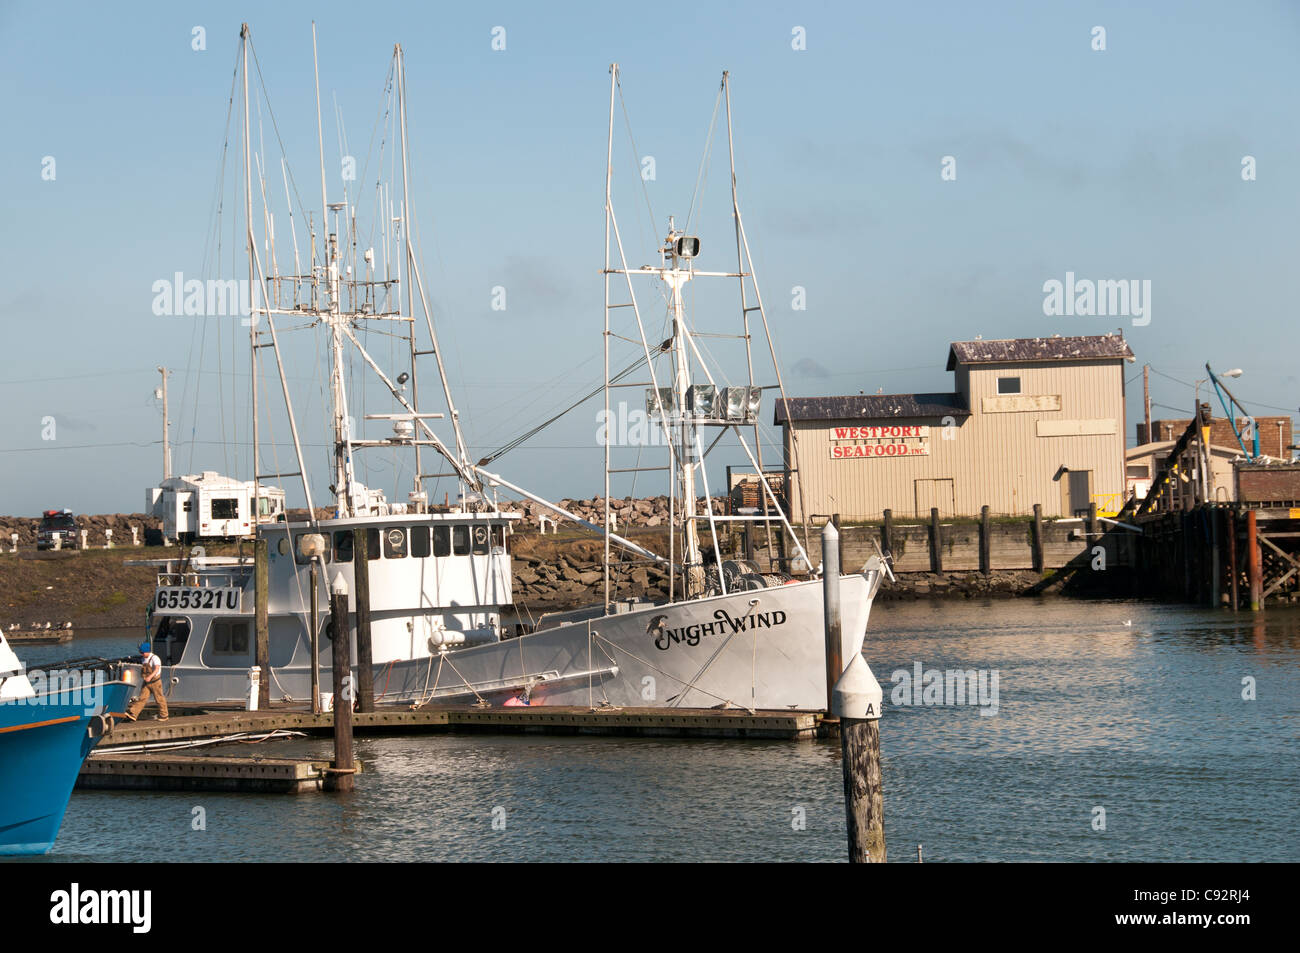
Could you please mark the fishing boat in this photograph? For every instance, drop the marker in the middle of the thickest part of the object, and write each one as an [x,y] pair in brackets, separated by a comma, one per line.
[46,733]
[436,596]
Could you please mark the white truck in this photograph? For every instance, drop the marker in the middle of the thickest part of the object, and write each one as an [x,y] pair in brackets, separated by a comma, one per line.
[210,506]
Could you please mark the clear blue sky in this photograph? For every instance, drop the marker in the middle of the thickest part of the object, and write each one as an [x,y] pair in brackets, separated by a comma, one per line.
[1117,164]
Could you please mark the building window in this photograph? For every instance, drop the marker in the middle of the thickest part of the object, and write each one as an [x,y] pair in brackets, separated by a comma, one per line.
[1139,471]
[1008,385]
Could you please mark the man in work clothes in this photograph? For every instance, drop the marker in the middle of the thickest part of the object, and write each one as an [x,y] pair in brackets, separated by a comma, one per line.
[152,686]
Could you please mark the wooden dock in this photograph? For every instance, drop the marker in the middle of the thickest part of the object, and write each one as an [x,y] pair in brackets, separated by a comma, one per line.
[187,772]
[122,761]
[38,636]
[644,722]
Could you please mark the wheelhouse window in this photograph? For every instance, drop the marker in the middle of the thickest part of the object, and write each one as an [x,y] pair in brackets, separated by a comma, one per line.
[419,536]
[1008,385]
[460,540]
[395,543]
[229,637]
[226,508]
[442,541]
[499,538]
[372,544]
[343,546]
[479,534]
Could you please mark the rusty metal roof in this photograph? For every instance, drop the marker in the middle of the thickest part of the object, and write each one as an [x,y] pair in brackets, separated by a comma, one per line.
[871,407]
[1093,347]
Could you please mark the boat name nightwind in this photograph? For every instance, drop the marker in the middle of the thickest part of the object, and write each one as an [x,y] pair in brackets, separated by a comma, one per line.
[723,624]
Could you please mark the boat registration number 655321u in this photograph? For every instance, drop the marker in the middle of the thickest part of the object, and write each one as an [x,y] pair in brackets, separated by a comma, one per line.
[190,597]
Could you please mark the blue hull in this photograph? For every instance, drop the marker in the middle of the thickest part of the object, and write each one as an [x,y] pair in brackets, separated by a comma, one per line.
[43,743]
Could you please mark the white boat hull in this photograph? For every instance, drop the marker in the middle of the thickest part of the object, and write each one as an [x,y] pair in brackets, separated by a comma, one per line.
[756,649]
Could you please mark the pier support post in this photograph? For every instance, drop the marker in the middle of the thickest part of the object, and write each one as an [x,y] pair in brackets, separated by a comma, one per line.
[1232,559]
[887,533]
[1036,539]
[361,573]
[341,778]
[315,638]
[835,520]
[986,566]
[936,553]
[857,700]
[1254,567]
[831,603]
[261,595]
[1216,559]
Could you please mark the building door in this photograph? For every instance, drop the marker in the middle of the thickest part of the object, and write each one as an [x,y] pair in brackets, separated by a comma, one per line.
[1076,492]
[935,493]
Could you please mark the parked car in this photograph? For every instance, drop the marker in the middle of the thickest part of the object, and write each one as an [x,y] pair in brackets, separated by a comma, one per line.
[58,525]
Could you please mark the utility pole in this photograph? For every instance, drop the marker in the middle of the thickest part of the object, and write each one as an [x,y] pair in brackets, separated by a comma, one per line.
[1146,399]
[167,447]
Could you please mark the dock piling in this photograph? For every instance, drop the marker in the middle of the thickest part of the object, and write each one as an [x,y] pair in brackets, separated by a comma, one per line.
[261,595]
[986,562]
[341,773]
[856,702]
[936,541]
[1254,568]
[361,573]
[1036,539]
[831,603]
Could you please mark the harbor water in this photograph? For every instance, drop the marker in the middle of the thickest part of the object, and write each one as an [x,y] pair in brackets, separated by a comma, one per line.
[1096,731]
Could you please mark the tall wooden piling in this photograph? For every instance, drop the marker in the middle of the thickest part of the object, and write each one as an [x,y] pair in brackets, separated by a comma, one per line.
[261,621]
[835,521]
[1216,559]
[365,655]
[887,533]
[831,604]
[856,702]
[936,542]
[1232,559]
[985,561]
[315,637]
[1036,539]
[1255,568]
[341,774]
[864,795]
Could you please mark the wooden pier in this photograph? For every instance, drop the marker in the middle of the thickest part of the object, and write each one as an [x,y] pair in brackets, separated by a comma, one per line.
[187,772]
[541,719]
[123,762]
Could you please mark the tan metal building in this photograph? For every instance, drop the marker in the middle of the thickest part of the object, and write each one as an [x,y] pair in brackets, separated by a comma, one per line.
[1032,420]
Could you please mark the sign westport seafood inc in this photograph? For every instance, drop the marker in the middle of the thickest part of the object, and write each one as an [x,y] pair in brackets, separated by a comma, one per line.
[852,442]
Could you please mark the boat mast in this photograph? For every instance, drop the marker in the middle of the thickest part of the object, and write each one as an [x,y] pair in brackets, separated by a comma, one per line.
[252,276]
[167,446]
[676,277]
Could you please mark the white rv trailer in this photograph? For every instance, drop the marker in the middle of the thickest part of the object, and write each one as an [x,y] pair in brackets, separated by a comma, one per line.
[210,506]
